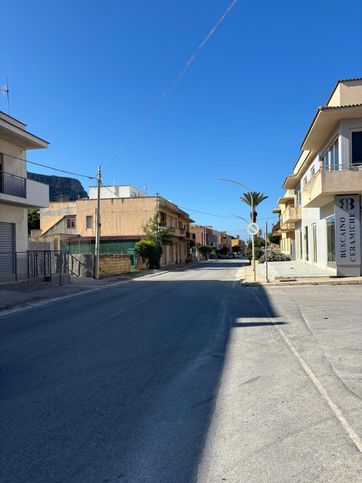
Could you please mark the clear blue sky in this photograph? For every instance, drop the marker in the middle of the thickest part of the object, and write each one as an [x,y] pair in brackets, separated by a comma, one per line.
[83,73]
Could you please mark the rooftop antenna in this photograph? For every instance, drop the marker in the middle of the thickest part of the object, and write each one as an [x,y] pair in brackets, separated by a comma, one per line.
[5,92]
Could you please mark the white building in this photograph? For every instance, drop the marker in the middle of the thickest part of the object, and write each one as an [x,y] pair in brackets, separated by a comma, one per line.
[323,203]
[17,193]
[115,191]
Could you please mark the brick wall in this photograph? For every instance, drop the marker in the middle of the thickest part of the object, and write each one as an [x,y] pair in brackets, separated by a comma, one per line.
[114,265]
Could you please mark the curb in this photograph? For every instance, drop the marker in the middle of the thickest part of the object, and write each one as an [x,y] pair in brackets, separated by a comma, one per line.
[298,283]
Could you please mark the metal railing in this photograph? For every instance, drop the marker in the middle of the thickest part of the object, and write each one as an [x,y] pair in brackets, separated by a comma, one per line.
[11,184]
[33,264]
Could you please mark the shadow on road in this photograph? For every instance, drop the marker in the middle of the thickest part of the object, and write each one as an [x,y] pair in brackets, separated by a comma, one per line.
[120,384]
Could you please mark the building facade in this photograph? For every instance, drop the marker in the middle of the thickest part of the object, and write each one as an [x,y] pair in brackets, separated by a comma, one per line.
[115,191]
[122,221]
[322,207]
[17,193]
[203,235]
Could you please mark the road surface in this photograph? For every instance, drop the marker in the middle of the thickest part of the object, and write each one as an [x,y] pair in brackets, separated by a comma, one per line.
[174,377]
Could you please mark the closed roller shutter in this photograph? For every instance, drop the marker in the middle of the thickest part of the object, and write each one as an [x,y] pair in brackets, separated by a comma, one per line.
[7,248]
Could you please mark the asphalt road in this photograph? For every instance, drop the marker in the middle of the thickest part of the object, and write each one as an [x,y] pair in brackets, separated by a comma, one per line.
[117,384]
[175,377]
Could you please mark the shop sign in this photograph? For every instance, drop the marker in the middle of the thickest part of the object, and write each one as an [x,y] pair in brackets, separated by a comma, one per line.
[348,230]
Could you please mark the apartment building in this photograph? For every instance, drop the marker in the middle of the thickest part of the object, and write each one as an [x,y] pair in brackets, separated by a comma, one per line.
[203,235]
[320,213]
[73,224]
[17,193]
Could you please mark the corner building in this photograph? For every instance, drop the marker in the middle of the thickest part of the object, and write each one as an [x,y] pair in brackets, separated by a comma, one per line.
[322,207]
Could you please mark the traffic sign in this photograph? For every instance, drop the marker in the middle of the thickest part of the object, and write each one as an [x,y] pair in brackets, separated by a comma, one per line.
[253,229]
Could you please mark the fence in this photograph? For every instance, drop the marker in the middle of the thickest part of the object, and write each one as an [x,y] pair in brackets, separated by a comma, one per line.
[33,264]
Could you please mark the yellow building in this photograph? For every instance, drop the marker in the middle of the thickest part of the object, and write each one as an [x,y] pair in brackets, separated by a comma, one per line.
[289,215]
[73,224]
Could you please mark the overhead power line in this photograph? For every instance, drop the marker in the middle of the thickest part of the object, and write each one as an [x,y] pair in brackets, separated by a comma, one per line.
[167,92]
[50,167]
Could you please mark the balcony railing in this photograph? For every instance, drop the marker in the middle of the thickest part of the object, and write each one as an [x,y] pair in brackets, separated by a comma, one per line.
[328,181]
[327,168]
[287,227]
[11,184]
[291,215]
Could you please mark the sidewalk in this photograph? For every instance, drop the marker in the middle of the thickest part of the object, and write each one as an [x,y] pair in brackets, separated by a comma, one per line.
[294,273]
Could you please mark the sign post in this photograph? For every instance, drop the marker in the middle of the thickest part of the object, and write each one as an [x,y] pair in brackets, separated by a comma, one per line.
[266,253]
[253,229]
[348,235]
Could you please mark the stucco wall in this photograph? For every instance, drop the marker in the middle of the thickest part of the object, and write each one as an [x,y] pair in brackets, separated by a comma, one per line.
[124,216]
[54,213]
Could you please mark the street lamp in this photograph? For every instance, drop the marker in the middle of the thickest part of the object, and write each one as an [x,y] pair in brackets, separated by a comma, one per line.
[252,213]
[245,187]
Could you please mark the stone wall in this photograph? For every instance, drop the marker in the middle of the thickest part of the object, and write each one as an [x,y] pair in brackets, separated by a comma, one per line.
[114,265]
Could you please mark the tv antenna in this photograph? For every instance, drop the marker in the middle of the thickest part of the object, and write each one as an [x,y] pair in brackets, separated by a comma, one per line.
[5,92]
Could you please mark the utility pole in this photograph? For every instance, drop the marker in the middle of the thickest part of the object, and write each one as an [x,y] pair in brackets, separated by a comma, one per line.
[98,224]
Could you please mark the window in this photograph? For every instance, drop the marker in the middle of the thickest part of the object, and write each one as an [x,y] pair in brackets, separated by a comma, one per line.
[357,147]
[71,222]
[162,218]
[314,235]
[331,157]
[89,222]
[331,239]
[298,197]
[306,243]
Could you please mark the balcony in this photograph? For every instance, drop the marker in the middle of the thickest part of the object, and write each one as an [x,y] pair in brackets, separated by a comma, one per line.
[11,184]
[291,214]
[329,182]
[287,227]
[180,232]
[16,190]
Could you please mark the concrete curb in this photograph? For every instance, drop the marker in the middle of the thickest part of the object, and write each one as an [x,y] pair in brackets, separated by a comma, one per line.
[300,283]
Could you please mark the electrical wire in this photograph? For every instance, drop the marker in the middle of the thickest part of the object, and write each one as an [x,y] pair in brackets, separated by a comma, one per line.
[206,213]
[50,167]
[166,93]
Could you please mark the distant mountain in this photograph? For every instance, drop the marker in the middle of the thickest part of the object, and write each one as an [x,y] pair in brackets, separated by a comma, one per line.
[61,188]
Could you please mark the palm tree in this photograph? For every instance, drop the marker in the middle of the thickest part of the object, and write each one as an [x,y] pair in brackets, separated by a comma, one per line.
[253,199]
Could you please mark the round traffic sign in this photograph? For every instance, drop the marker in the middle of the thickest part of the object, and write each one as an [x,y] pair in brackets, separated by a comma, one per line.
[253,228]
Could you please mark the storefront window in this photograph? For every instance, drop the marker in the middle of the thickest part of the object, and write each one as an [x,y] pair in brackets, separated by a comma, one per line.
[314,232]
[331,238]
[306,244]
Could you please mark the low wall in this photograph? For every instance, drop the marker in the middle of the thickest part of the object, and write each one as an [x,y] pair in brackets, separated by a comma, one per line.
[114,265]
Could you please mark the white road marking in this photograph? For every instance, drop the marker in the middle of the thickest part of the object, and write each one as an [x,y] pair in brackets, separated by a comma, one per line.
[316,382]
